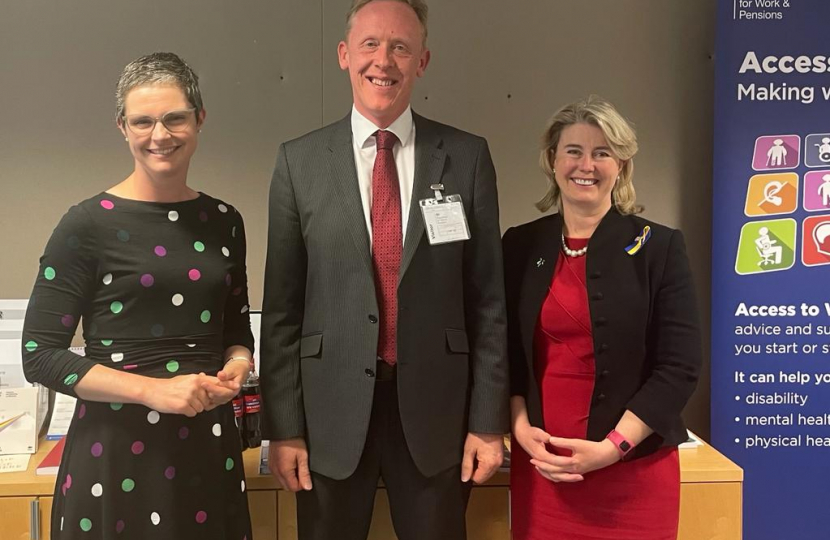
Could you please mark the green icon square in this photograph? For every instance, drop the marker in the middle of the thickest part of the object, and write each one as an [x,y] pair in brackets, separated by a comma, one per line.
[766,246]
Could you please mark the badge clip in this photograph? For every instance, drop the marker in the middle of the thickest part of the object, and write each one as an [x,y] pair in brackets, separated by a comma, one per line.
[437,188]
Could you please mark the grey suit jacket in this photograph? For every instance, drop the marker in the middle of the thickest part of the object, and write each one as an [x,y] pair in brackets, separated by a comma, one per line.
[319,324]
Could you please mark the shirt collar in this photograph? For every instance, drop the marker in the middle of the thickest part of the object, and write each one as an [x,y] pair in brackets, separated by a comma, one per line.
[363,128]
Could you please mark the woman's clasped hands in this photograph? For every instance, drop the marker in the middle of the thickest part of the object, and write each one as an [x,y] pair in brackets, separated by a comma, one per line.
[586,456]
[192,394]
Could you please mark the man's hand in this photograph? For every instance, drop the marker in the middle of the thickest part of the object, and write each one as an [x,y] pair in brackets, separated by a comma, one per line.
[288,462]
[483,454]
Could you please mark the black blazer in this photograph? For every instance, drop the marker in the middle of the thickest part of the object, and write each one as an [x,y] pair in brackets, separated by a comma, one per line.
[644,322]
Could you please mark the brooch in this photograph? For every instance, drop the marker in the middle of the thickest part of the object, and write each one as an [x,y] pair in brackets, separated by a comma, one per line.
[540,262]
[639,241]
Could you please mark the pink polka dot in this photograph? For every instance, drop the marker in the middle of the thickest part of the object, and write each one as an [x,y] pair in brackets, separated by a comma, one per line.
[97,449]
[147,280]
[68,482]
[203,217]
[183,432]
[161,251]
[68,321]
[194,274]
[107,204]
[130,366]
[137,448]
[119,526]
[201,516]
[228,280]
[237,291]
[170,472]
[81,411]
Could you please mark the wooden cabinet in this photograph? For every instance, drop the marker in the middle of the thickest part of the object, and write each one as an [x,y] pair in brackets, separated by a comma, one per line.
[710,502]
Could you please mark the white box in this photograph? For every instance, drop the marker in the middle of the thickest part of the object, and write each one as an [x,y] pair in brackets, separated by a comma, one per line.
[12,309]
[22,412]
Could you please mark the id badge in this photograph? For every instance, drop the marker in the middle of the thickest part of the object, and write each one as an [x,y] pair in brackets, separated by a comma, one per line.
[444,219]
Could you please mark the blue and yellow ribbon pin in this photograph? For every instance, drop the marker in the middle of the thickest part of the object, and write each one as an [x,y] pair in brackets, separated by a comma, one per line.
[639,241]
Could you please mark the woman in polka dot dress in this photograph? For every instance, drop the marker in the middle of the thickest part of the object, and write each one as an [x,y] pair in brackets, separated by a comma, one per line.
[156,272]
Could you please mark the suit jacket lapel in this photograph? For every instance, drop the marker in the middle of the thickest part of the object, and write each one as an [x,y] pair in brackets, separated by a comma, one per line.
[541,263]
[343,174]
[429,167]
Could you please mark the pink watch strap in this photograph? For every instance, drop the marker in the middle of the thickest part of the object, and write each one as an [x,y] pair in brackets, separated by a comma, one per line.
[624,446]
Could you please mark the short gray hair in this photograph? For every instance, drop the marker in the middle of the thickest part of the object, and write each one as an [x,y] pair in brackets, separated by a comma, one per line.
[158,68]
[621,138]
[418,6]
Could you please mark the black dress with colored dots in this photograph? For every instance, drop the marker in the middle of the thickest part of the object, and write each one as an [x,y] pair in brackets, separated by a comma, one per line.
[161,290]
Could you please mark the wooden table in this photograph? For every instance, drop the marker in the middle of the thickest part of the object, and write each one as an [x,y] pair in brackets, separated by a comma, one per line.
[710,502]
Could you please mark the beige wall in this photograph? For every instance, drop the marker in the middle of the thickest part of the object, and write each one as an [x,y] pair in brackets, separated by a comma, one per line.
[269,73]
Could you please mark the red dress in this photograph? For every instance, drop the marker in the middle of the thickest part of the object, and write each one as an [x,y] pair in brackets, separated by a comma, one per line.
[634,500]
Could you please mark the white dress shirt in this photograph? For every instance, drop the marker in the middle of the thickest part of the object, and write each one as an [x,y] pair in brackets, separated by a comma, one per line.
[365,150]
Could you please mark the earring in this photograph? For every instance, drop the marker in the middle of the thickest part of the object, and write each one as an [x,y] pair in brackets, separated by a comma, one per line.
[200,131]
[127,139]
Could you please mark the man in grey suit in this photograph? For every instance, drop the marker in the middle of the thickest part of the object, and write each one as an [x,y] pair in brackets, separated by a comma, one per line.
[383,340]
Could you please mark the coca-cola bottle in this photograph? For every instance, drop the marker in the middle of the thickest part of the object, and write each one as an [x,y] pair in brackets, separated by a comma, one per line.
[238,417]
[252,417]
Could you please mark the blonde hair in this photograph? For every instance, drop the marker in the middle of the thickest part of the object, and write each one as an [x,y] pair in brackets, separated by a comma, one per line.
[619,134]
[418,6]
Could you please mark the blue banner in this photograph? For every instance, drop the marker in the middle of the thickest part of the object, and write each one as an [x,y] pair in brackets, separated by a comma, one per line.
[771,261]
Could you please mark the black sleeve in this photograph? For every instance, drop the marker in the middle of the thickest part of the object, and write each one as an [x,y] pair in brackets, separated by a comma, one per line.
[674,340]
[237,320]
[62,293]
[512,285]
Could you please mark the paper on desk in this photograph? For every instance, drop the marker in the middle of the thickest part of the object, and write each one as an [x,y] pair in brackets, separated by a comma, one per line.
[64,408]
[14,463]
[11,366]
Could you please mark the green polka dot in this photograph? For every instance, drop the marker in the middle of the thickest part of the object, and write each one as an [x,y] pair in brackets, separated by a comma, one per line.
[31,346]
[116,406]
[128,485]
[86,524]
[106,342]
[198,246]
[205,316]
[71,379]
[49,273]
[229,464]
[172,366]
[123,235]
[116,307]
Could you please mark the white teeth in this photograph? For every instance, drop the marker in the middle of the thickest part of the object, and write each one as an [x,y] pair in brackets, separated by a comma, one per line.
[163,151]
[378,82]
[584,182]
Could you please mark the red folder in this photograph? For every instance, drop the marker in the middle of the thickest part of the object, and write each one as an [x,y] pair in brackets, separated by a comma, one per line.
[52,461]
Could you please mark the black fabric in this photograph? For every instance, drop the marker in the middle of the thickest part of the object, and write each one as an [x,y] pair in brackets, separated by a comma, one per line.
[422,507]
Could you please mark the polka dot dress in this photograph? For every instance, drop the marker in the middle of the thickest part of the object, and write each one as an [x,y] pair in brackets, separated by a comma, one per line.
[160,290]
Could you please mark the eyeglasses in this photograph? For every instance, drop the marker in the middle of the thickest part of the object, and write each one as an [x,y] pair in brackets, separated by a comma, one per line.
[173,121]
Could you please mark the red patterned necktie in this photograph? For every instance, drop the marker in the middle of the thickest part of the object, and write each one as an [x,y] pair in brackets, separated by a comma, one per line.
[386,242]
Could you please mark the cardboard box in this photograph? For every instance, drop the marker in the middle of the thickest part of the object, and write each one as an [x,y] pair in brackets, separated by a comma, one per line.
[22,412]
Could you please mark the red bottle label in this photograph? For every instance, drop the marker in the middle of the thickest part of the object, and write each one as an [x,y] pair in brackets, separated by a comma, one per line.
[252,404]
[238,407]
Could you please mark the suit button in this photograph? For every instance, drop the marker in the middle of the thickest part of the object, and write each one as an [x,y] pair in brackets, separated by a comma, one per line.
[596,275]
[369,373]
[373,319]
[596,296]
[600,397]
[603,347]
[601,321]
[605,373]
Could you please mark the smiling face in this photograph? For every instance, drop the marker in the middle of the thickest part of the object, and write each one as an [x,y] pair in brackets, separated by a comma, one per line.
[384,54]
[161,153]
[586,169]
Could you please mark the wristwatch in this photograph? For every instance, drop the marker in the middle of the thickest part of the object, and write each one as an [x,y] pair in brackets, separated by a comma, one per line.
[624,446]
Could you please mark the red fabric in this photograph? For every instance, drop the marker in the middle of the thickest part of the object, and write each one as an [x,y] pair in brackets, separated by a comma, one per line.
[636,500]
[387,242]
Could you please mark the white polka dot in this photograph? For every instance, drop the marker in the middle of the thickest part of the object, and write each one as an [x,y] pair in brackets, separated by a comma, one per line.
[61,522]
[233,232]
[97,490]
[243,486]
[117,356]
[217,430]
[153,417]
[177,300]
[172,215]
[107,279]
[226,252]
[155,518]
[191,345]
[223,208]
[244,309]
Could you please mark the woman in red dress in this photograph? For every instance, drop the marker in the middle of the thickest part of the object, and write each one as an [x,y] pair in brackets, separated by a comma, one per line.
[604,345]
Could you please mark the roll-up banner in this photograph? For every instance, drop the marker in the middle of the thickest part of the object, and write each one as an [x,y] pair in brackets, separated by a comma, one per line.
[771,261]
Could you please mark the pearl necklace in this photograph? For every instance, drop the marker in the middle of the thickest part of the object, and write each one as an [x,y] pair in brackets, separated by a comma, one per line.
[573,252]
